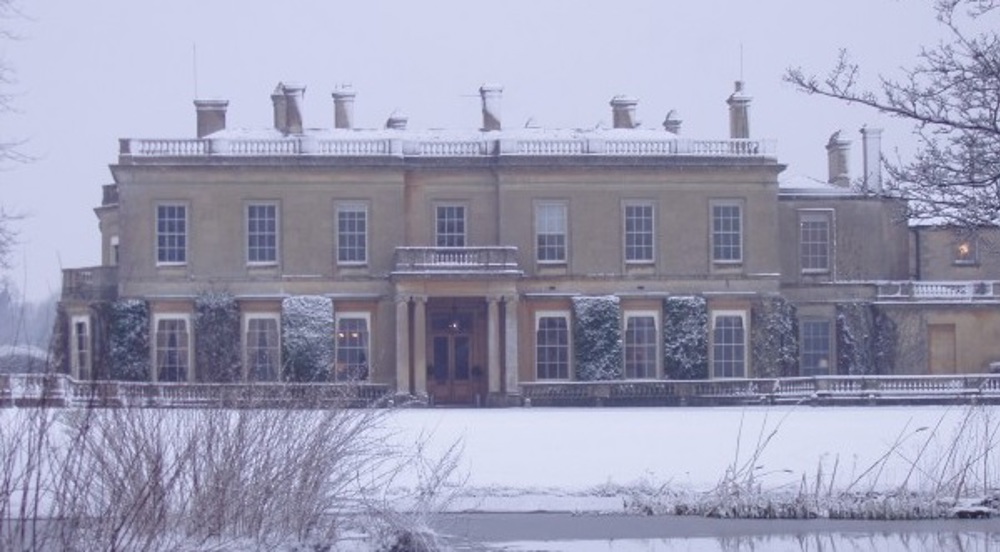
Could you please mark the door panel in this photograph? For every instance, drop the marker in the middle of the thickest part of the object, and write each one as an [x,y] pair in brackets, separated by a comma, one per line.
[453,374]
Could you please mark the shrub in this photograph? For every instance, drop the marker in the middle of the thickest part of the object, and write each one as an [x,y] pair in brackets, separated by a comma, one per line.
[597,338]
[129,340]
[685,342]
[217,337]
[307,337]
[774,338]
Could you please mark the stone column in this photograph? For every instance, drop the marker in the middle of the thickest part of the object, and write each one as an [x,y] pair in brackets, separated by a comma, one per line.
[493,343]
[402,345]
[420,346]
[510,343]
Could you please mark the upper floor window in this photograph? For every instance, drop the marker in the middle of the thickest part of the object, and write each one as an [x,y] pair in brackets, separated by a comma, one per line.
[727,232]
[640,345]
[550,232]
[728,345]
[262,233]
[171,234]
[263,350]
[552,346]
[814,241]
[173,351]
[815,346]
[352,233]
[639,233]
[966,250]
[450,226]
[352,347]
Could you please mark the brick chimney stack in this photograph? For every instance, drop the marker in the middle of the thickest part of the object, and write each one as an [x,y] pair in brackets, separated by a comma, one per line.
[838,160]
[623,112]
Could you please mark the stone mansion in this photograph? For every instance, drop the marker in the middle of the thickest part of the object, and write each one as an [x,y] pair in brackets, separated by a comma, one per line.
[459,265]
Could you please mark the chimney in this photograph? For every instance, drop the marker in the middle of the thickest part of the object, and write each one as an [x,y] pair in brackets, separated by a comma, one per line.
[739,113]
[491,95]
[671,123]
[343,107]
[280,111]
[211,116]
[838,161]
[396,121]
[623,112]
[294,94]
[871,140]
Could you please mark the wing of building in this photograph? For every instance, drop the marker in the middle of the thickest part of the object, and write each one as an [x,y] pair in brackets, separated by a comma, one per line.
[465,265]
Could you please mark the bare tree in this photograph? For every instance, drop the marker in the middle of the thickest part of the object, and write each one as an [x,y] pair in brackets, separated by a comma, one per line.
[952,96]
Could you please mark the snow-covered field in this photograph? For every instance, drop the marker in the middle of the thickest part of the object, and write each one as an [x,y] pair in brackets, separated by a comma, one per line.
[589,459]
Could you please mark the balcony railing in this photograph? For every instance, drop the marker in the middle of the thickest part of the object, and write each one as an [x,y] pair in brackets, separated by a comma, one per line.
[98,283]
[951,291]
[456,260]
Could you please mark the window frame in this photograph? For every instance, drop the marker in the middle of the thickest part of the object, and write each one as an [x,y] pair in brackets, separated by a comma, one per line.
[81,369]
[626,247]
[745,346]
[248,370]
[366,349]
[186,235]
[716,234]
[352,206]
[811,216]
[540,207]
[804,322]
[565,316]
[656,344]
[189,337]
[250,233]
[959,240]
[464,221]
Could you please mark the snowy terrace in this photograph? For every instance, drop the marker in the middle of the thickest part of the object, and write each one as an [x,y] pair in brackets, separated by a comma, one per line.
[435,144]
[939,292]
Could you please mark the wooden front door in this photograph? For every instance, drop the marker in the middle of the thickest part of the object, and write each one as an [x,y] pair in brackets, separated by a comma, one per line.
[942,348]
[454,375]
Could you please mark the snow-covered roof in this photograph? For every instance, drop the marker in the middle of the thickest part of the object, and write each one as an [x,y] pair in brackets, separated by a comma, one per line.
[804,185]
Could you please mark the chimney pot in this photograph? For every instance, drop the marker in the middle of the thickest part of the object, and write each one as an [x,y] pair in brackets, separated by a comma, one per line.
[280,109]
[739,112]
[491,95]
[211,116]
[294,94]
[838,160]
[623,112]
[671,123]
[343,107]
[396,121]
[871,140]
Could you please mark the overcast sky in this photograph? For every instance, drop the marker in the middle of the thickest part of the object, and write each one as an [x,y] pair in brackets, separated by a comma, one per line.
[91,72]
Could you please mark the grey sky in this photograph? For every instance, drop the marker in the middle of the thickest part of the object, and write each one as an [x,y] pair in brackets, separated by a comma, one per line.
[91,72]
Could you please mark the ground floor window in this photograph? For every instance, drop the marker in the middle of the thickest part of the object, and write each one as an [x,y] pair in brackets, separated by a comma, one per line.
[814,344]
[641,338]
[728,345]
[352,347]
[80,359]
[552,345]
[173,351]
[263,350]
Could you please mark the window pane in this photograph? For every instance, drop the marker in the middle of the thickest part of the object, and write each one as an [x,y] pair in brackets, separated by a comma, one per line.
[352,349]
[450,226]
[638,233]
[352,234]
[640,347]
[172,350]
[550,232]
[727,228]
[728,348]
[815,346]
[171,234]
[552,348]
[262,233]
[263,352]
[814,242]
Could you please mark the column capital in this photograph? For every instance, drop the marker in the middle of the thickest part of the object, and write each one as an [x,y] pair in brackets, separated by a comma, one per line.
[496,298]
[401,298]
[419,298]
[513,298]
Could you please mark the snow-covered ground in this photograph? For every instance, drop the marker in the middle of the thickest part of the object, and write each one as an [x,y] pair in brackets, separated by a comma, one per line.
[591,459]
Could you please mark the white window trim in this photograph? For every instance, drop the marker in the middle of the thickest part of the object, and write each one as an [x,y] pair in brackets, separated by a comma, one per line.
[277,232]
[190,335]
[187,233]
[638,203]
[74,350]
[564,204]
[465,220]
[658,367]
[353,205]
[564,314]
[740,204]
[247,317]
[815,214]
[367,317]
[745,318]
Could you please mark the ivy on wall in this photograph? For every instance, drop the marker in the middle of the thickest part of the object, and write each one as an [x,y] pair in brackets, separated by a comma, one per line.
[685,337]
[307,328]
[217,337]
[129,340]
[774,338]
[597,338]
[867,339]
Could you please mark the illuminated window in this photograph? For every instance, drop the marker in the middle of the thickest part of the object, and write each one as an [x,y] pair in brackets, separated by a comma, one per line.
[966,251]
[352,347]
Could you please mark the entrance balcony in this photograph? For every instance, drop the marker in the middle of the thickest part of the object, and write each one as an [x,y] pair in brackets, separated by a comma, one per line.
[456,261]
[98,283]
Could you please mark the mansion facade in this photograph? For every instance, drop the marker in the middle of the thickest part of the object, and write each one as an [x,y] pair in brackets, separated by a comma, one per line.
[457,265]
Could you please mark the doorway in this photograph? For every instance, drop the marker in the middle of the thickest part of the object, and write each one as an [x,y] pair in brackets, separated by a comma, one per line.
[454,370]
